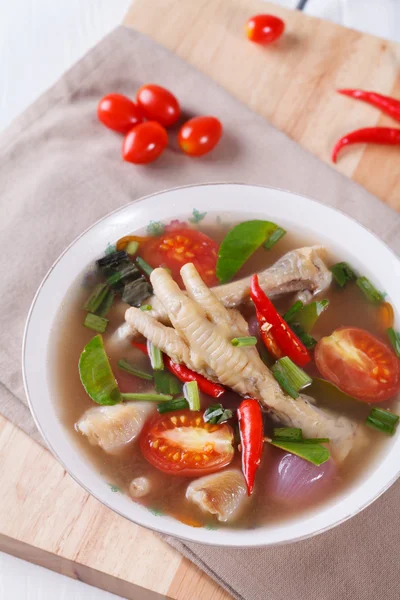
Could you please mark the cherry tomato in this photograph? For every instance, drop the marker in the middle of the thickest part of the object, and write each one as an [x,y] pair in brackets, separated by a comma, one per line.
[144,143]
[199,135]
[119,113]
[158,104]
[180,443]
[264,29]
[359,364]
[176,247]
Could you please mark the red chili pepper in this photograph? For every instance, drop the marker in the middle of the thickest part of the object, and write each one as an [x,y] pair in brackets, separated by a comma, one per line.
[276,334]
[184,374]
[369,135]
[386,104]
[251,437]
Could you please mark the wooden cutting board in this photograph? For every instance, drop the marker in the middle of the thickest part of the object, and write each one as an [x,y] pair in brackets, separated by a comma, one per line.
[45,517]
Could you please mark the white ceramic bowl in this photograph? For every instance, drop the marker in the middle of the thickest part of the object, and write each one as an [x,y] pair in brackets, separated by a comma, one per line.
[341,234]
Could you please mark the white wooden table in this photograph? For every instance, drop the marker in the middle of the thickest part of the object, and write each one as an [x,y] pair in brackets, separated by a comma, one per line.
[39,40]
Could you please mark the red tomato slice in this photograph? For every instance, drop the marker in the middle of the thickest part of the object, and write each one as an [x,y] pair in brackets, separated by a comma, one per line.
[359,364]
[176,247]
[180,443]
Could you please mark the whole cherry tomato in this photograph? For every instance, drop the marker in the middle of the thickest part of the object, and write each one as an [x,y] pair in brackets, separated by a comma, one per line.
[144,143]
[158,104]
[119,113]
[199,135]
[264,29]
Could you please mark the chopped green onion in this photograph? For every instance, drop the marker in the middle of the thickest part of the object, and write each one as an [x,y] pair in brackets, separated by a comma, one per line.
[216,414]
[308,315]
[283,382]
[370,291]
[132,248]
[288,316]
[191,393]
[244,341]
[177,404]
[156,357]
[96,297]
[313,452]
[136,291]
[144,266]
[274,238]
[166,383]
[382,420]
[316,441]
[145,307]
[125,274]
[304,337]
[290,434]
[342,273]
[394,337]
[106,304]
[147,397]
[295,376]
[95,322]
[126,366]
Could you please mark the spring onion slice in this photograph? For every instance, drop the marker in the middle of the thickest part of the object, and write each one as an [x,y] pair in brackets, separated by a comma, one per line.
[288,316]
[144,266]
[370,291]
[293,434]
[145,307]
[313,452]
[132,248]
[156,357]
[394,337]
[146,397]
[107,303]
[296,377]
[342,273]
[126,366]
[191,393]
[274,238]
[95,322]
[216,414]
[96,297]
[177,404]
[382,420]
[284,383]
[244,341]
[166,383]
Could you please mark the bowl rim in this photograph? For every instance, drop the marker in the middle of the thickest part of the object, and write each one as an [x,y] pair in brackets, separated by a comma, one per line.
[76,477]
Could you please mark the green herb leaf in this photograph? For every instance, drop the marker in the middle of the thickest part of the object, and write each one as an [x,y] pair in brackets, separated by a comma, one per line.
[197,216]
[342,273]
[126,366]
[96,375]
[177,404]
[244,341]
[155,228]
[110,249]
[394,337]
[288,316]
[95,322]
[308,315]
[216,414]
[289,434]
[114,488]
[239,244]
[312,452]
[166,383]
[304,337]
[274,238]
[370,291]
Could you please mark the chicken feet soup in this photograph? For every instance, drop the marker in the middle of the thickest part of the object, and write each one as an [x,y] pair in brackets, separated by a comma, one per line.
[226,375]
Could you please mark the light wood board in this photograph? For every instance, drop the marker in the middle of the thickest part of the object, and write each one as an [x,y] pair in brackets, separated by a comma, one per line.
[45,517]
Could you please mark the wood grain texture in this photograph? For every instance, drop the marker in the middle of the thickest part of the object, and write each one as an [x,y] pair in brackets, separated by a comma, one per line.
[292,83]
[46,517]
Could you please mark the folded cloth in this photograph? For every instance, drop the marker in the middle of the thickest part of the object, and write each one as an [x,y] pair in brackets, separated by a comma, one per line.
[60,171]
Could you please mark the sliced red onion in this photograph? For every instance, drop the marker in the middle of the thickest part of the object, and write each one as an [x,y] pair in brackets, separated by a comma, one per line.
[293,480]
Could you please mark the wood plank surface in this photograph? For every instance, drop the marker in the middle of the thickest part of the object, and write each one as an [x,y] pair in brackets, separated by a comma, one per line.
[45,516]
[292,83]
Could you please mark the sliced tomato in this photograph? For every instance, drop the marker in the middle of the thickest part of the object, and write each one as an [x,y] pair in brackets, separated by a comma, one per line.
[177,246]
[359,364]
[180,443]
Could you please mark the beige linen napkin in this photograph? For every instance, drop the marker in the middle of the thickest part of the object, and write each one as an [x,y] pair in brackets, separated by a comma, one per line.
[60,171]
